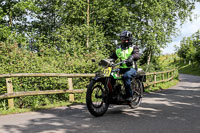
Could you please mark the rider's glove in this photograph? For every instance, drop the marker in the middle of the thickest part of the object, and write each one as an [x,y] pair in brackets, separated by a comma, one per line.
[129,61]
[136,54]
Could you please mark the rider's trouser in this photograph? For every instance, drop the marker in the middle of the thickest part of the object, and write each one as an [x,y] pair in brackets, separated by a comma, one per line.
[128,74]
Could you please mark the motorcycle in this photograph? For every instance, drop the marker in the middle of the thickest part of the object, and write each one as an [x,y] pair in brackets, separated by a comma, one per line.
[107,88]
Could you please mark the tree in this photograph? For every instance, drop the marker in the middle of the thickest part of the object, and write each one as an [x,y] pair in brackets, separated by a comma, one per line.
[14,20]
[64,25]
[189,48]
[196,43]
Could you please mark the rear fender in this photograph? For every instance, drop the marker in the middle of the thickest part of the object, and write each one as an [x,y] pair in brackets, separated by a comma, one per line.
[143,86]
[142,79]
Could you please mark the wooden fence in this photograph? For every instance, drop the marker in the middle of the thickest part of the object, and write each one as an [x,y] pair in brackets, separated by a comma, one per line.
[152,79]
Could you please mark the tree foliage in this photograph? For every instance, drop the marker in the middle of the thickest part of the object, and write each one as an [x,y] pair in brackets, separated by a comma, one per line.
[62,24]
[189,48]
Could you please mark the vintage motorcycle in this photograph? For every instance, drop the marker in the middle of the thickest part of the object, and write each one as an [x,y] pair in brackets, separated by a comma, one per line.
[102,91]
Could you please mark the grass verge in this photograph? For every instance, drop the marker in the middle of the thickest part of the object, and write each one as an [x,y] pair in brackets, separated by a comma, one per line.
[162,86]
[192,69]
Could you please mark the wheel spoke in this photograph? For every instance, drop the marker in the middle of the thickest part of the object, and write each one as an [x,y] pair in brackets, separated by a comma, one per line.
[96,98]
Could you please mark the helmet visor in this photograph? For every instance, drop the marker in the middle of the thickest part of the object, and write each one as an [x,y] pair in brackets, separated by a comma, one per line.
[124,39]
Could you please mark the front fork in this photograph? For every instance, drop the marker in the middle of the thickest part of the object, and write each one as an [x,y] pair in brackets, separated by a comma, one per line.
[107,84]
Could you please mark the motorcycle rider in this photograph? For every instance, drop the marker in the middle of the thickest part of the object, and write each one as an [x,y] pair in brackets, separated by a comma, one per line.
[126,51]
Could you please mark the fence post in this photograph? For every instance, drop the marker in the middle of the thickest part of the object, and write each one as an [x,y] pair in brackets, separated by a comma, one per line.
[154,78]
[173,72]
[167,75]
[9,87]
[163,76]
[70,84]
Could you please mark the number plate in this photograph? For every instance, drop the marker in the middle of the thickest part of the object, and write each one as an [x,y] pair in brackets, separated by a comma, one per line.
[107,71]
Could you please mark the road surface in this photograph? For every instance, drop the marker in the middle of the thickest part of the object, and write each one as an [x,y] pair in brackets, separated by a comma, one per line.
[175,110]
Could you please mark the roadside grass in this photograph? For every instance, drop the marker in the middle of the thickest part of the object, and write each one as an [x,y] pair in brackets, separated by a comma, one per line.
[193,69]
[167,61]
[161,86]
[177,62]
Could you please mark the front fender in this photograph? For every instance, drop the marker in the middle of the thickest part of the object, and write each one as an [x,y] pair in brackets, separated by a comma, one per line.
[98,79]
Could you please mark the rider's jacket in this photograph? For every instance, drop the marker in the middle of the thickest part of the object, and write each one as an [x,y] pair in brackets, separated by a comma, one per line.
[123,53]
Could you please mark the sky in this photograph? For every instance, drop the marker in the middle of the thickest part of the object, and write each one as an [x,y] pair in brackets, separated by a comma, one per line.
[186,30]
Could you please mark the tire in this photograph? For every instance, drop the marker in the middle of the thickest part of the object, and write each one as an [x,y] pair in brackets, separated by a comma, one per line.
[138,88]
[96,99]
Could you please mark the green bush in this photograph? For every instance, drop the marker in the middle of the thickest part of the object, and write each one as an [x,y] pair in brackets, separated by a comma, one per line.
[18,60]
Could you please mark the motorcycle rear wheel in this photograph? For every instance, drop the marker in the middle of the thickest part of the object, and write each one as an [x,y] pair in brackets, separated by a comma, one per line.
[137,93]
[96,99]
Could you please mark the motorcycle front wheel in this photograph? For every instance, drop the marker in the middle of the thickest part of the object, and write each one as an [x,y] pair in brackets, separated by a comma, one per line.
[96,98]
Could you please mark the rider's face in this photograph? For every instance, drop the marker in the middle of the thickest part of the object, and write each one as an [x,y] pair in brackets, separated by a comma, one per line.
[124,41]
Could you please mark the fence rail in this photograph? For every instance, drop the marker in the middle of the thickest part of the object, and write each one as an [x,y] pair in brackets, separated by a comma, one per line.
[10,94]
[45,75]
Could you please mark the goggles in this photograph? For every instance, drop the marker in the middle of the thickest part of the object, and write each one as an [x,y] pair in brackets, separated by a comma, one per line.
[124,38]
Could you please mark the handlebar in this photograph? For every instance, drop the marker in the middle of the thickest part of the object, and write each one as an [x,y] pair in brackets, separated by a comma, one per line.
[113,65]
[109,62]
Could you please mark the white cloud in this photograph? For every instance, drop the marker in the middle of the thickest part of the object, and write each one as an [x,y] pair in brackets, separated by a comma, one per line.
[186,30]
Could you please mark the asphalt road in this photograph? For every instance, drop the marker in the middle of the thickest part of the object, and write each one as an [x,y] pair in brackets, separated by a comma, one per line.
[176,110]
